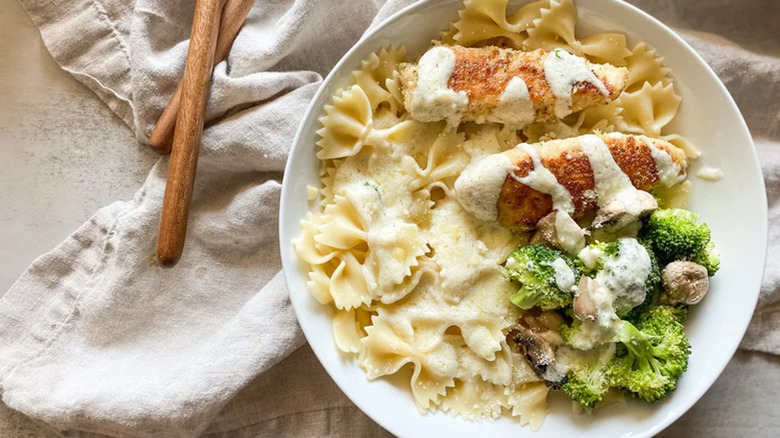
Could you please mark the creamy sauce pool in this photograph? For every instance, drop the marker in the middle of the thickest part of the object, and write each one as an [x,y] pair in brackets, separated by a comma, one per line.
[708,173]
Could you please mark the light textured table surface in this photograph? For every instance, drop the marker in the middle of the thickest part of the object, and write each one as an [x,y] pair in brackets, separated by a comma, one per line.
[63,155]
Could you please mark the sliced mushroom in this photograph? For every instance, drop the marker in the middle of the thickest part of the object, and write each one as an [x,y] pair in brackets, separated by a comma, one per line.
[559,230]
[684,282]
[545,231]
[539,353]
[584,304]
[627,207]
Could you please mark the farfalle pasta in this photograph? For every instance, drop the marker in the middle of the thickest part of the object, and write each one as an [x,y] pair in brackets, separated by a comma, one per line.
[374,74]
[413,279]
[482,21]
[555,29]
[644,65]
[648,110]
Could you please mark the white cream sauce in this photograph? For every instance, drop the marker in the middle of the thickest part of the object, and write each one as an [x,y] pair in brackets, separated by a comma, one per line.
[609,179]
[562,70]
[542,180]
[590,257]
[462,256]
[710,173]
[479,185]
[631,202]
[515,106]
[432,99]
[387,267]
[620,284]
[564,276]
[571,238]
[669,172]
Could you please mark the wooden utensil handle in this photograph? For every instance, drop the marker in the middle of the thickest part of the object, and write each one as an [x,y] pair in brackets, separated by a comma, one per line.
[189,126]
[233,16]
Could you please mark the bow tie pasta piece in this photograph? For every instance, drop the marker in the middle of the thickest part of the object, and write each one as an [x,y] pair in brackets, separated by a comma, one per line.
[605,118]
[555,29]
[388,347]
[345,124]
[529,403]
[346,246]
[649,109]
[327,176]
[349,327]
[473,400]
[644,65]
[444,161]
[605,47]
[348,126]
[487,395]
[374,74]
[681,142]
[486,20]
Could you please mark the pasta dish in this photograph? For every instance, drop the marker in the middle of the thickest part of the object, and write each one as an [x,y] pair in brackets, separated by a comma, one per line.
[504,215]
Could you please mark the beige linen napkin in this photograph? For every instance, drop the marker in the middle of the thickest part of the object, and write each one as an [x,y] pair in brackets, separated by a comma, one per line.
[94,337]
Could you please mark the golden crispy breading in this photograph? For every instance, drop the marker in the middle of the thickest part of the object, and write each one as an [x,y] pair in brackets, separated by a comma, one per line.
[483,74]
[521,207]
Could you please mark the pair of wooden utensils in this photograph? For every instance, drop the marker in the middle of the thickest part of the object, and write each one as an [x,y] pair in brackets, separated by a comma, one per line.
[214,27]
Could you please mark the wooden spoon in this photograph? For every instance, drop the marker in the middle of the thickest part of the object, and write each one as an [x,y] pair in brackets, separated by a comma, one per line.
[233,16]
[189,126]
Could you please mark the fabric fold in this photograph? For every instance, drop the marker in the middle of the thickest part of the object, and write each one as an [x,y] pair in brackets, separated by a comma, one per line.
[97,337]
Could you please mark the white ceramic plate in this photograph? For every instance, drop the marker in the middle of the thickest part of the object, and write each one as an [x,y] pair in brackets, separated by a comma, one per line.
[735,209]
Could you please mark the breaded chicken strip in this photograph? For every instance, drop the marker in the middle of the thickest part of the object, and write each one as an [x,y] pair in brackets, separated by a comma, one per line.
[491,84]
[576,175]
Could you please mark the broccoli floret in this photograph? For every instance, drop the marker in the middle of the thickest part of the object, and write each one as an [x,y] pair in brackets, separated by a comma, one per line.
[592,256]
[709,258]
[568,331]
[659,316]
[586,391]
[586,335]
[675,234]
[654,356]
[534,266]
[646,358]
[587,379]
